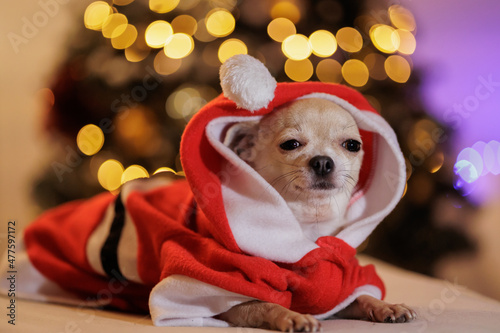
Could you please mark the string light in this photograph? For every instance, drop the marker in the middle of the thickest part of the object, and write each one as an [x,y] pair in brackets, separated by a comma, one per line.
[178,46]
[109,174]
[134,172]
[397,68]
[157,33]
[287,10]
[349,39]
[163,6]
[280,28]
[220,22]
[329,70]
[300,70]
[90,139]
[385,38]
[231,47]
[96,14]
[296,47]
[185,24]
[355,72]
[323,43]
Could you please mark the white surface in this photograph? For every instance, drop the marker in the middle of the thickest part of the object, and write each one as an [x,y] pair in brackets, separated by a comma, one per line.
[442,307]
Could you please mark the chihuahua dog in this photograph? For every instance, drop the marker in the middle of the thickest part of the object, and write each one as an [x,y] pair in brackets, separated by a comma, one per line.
[311,152]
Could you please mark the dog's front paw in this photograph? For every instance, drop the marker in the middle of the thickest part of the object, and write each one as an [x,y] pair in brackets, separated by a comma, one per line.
[289,321]
[380,311]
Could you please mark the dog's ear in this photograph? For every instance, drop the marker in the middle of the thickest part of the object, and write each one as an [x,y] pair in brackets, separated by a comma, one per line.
[241,137]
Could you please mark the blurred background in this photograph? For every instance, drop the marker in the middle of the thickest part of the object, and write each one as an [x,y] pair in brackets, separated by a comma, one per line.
[95,93]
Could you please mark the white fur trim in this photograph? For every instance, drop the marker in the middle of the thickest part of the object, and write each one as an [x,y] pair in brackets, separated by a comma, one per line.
[247,82]
[183,301]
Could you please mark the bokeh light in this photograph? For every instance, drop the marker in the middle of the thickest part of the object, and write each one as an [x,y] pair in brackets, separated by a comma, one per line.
[349,39]
[114,25]
[179,45]
[300,70]
[230,48]
[397,68]
[96,14]
[402,18]
[375,63]
[163,6]
[134,172]
[407,42]
[287,10]
[157,33]
[202,33]
[385,38]
[280,28]
[323,43]
[90,139]
[164,65]
[122,2]
[355,72]
[296,47]
[184,103]
[125,39]
[478,161]
[109,174]
[220,22]
[185,24]
[329,70]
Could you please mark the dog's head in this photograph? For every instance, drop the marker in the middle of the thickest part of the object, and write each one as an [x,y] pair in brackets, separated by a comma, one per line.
[309,150]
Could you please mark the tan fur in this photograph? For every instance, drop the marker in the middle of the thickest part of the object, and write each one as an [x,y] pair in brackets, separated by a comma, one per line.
[317,196]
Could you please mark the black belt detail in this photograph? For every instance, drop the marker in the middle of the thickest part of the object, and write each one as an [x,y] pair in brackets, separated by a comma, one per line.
[109,250]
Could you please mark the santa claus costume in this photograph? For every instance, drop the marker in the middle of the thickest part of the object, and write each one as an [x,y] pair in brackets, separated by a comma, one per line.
[191,249]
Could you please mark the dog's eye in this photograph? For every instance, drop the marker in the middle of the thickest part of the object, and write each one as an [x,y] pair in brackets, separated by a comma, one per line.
[352,145]
[290,145]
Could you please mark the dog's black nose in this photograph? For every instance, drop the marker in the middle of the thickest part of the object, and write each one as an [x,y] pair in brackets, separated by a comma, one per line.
[321,165]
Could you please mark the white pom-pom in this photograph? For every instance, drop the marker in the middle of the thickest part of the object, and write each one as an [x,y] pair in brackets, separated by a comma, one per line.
[247,82]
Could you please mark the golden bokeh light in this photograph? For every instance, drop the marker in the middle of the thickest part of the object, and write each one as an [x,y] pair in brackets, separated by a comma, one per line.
[402,18]
[134,171]
[299,71]
[349,39]
[287,10]
[187,4]
[136,54]
[114,25]
[122,2]
[220,22]
[375,64]
[179,46]
[385,38]
[397,68]
[296,47]
[96,14]
[280,28]
[185,24]
[110,174]
[164,169]
[407,44]
[125,39]
[184,102]
[202,34]
[231,47]
[329,70]
[355,72]
[164,65]
[157,33]
[90,139]
[323,43]
[163,6]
